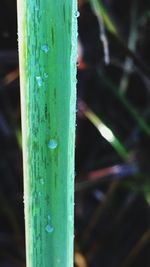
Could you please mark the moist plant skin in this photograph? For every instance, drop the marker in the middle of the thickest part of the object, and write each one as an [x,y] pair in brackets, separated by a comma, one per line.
[47,55]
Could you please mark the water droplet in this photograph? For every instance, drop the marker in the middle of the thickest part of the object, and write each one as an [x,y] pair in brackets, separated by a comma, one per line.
[39,81]
[49,228]
[52,144]
[77,14]
[42,181]
[45,48]
[49,217]
[45,75]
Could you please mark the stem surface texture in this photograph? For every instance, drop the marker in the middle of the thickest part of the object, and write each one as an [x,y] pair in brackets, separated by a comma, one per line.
[47,52]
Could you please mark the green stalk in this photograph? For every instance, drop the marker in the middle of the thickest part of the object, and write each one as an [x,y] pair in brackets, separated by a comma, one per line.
[47,50]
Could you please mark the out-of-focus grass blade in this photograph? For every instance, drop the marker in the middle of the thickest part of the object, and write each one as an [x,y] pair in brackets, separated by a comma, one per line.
[118,172]
[121,97]
[101,12]
[105,131]
[100,9]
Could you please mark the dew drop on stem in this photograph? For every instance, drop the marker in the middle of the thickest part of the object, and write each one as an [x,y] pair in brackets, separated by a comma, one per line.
[39,81]
[42,181]
[77,14]
[52,144]
[49,228]
[45,75]
[45,48]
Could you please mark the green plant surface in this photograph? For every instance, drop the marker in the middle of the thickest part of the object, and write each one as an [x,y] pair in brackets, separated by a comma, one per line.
[47,49]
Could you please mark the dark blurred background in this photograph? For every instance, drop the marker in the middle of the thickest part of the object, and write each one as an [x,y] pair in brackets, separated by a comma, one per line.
[112,211]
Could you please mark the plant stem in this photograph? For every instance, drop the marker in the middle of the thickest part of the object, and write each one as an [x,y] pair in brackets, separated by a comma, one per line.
[47,51]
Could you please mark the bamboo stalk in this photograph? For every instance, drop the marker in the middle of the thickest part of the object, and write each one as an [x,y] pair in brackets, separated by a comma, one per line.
[47,52]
